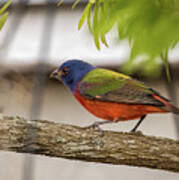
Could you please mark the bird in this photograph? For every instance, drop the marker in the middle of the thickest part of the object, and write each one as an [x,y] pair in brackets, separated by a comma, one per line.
[109,95]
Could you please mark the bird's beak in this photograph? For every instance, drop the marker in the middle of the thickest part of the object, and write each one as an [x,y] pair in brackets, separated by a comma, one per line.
[56,74]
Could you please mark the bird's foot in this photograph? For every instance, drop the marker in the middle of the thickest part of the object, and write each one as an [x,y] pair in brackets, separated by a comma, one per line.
[136,132]
[133,130]
[95,126]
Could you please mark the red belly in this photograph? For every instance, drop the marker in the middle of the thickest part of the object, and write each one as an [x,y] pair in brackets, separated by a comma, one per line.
[113,111]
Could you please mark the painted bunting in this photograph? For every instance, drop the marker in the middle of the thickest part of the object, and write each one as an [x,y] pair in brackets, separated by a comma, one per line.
[111,95]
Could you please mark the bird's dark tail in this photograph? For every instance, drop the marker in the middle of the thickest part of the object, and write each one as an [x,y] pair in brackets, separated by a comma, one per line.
[173,108]
[168,106]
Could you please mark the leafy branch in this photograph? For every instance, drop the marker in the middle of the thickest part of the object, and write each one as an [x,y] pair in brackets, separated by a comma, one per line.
[151,28]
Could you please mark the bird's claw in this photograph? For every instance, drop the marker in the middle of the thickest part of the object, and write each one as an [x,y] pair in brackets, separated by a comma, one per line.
[95,126]
[136,132]
[133,130]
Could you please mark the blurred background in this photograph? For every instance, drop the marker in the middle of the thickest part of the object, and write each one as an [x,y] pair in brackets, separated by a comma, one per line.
[37,37]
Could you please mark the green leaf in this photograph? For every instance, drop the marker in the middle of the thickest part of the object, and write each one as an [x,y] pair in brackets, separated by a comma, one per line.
[89,20]
[103,40]
[3,14]
[84,15]
[95,25]
[165,59]
[5,6]
[75,3]
[3,20]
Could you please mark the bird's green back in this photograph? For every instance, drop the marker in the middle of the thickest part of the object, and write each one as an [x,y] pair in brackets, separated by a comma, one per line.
[108,85]
[103,81]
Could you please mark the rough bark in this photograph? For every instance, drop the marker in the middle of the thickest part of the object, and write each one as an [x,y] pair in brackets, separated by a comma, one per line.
[66,141]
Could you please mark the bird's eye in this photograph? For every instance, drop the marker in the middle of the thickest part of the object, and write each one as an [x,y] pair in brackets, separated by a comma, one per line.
[65,71]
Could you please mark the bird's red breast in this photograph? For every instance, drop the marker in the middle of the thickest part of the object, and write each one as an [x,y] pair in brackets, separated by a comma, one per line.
[113,111]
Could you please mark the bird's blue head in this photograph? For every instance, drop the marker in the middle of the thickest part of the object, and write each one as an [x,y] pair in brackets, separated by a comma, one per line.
[71,72]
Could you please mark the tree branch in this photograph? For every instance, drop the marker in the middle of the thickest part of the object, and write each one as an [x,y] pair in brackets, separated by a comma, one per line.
[60,140]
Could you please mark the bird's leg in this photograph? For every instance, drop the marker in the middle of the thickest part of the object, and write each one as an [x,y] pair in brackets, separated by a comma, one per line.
[138,123]
[97,124]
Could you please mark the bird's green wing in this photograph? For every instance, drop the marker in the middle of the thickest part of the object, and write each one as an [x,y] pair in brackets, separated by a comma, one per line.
[106,85]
